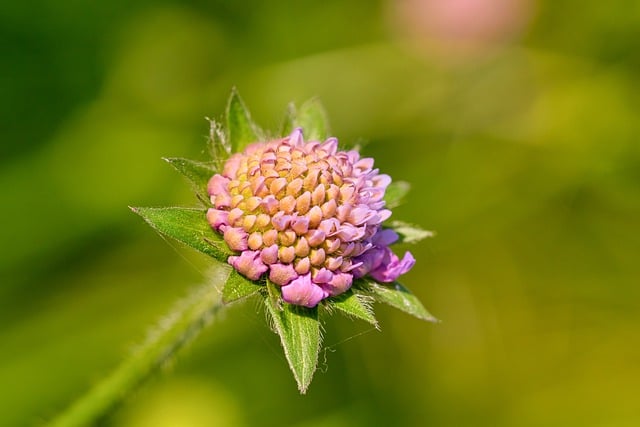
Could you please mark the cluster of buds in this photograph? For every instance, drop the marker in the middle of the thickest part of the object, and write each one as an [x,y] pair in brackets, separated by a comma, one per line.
[307,216]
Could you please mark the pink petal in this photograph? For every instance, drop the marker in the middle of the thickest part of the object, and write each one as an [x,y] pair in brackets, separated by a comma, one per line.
[296,137]
[322,276]
[385,237]
[339,284]
[217,184]
[281,274]
[302,291]
[390,271]
[249,264]
[217,218]
[236,238]
[269,255]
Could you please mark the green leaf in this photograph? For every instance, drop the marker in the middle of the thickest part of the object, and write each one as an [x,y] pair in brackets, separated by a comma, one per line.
[410,233]
[238,287]
[219,147]
[401,298]
[299,330]
[354,305]
[197,173]
[241,130]
[189,226]
[312,118]
[395,193]
[288,123]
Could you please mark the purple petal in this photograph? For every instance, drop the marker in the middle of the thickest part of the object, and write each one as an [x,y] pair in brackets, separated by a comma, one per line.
[373,194]
[364,164]
[236,238]
[338,284]
[232,165]
[347,266]
[302,291]
[353,156]
[221,200]
[385,237]
[390,271]
[300,225]
[296,137]
[377,205]
[217,218]
[253,148]
[334,263]
[217,184]
[329,226]
[269,255]
[322,276]
[381,181]
[370,260]
[270,204]
[330,145]
[257,184]
[347,249]
[380,217]
[280,221]
[249,264]
[349,233]
[315,237]
[384,214]
[281,274]
[361,214]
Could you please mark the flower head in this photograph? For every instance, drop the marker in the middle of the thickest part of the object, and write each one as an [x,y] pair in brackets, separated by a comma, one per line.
[306,215]
[299,222]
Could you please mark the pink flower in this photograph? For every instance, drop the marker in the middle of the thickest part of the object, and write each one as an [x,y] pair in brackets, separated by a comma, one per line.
[307,214]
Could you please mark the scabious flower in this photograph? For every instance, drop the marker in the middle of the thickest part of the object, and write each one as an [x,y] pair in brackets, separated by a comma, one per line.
[299,222]
[307,216]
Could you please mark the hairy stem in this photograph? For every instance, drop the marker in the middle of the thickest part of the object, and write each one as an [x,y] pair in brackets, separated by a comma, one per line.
[171,334]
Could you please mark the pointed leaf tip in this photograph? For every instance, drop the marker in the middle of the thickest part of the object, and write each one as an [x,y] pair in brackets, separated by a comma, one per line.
[410,233]
[238,287]
[355,305]
[299,331]
[397,296]
[312,118]
[241,130]
[288,122]
[197,173]
[396,193]
[189,226]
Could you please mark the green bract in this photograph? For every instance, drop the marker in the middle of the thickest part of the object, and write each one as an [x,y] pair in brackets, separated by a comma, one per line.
[298,327]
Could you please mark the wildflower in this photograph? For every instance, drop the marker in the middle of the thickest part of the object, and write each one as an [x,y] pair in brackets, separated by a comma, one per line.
[300,223]
[306,215]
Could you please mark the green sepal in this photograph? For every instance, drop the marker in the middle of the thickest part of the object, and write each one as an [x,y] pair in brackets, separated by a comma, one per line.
[313,120]
[395,193]
[354,305]
[299,331]
[409,233]
[219,147]
[197,173]
[241,131]
[189,226]
[397,296]
[289,121]
[238,287]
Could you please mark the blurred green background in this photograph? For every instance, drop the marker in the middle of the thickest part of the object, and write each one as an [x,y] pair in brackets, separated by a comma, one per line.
[517,123]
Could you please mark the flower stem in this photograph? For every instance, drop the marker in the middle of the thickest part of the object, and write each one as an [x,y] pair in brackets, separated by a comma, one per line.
[171,334]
